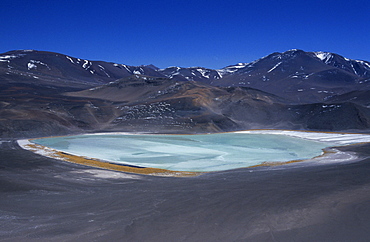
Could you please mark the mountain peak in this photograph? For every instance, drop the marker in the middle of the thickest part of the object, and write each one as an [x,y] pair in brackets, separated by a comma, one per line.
[323,56]
[293,50]
[151,66]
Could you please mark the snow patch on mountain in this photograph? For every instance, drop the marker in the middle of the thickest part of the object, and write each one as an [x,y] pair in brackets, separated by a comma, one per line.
[273,68]
[204,73]
[324,56]
[232,69]
[70,59]
[31,66]
[86,64]
[34,62]
[127,69]
[7,58]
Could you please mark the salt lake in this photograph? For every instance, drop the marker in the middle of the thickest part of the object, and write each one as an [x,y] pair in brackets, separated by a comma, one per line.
[195,153]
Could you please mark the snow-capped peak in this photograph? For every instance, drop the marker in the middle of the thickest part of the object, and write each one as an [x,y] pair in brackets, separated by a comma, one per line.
[323,56]
[204,72]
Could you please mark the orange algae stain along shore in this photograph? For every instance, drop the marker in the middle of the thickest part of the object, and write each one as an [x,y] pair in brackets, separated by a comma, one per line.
[46,151]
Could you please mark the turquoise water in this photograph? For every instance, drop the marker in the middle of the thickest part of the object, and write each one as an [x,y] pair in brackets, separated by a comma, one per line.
[211,152]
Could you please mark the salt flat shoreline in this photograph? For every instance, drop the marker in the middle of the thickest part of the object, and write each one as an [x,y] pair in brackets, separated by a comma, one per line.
[97,163]
[329,154]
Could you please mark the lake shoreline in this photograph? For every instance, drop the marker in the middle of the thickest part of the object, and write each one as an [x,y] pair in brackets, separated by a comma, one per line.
[329,153]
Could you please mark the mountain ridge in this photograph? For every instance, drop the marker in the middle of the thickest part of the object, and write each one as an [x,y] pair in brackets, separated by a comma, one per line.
[46,93]
[302,76]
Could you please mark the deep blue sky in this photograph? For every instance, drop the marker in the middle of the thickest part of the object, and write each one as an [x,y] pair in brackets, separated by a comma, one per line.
[186,33]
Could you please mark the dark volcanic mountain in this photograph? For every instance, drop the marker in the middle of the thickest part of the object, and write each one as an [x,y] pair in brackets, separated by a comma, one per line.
[61,70]
[44,93]
[302,77]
